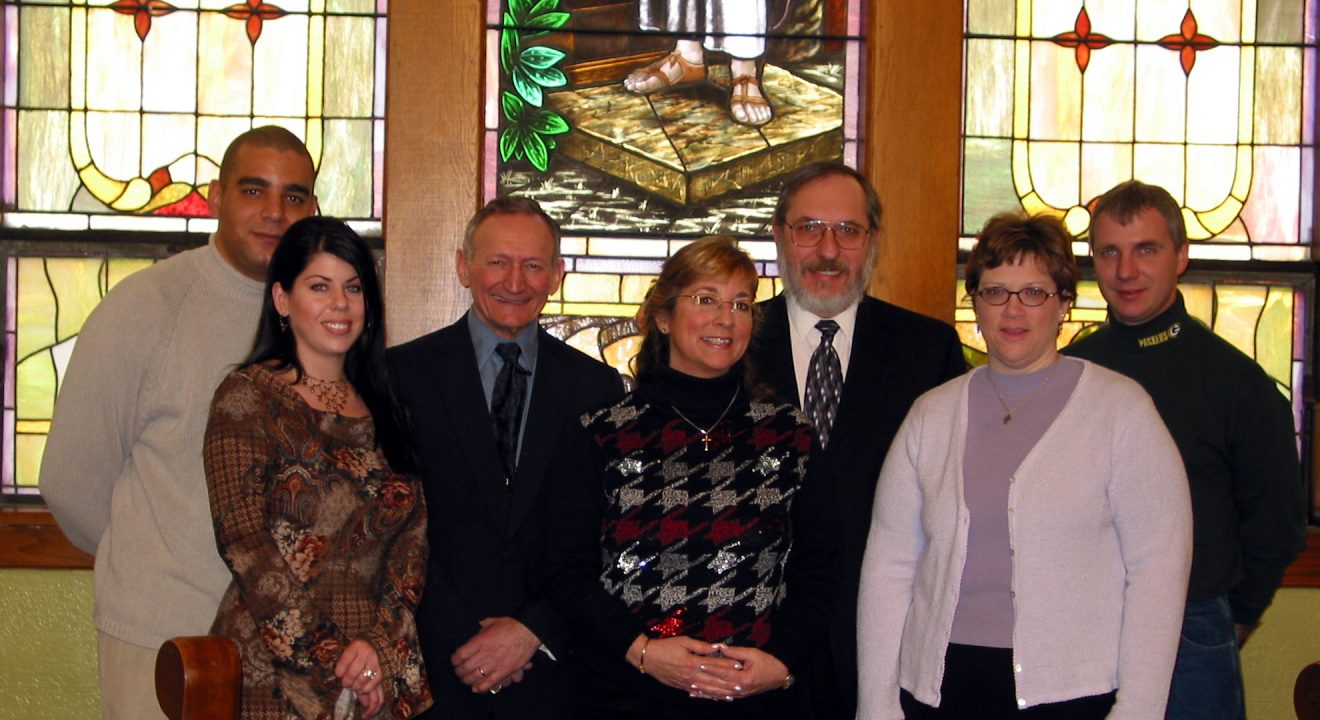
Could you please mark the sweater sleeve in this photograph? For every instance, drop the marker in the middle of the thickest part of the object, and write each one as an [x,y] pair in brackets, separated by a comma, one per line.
[93,427]
[1152,515]
[238,453]
[1269,496]
[889,567]
[810,573]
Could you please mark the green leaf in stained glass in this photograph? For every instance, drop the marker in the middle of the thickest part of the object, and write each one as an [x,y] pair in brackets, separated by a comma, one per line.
[550,77]
[541,57]
[549,123]
[544,6]
[508,46]
[537,153]
[527,88]
[517,9]
[512,105]
[510,137]
[548,21]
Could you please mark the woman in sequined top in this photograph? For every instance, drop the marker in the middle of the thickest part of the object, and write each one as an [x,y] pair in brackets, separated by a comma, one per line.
[324,534]
[692,547]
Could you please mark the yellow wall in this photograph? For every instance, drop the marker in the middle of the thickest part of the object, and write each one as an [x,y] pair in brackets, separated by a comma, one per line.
[48,648]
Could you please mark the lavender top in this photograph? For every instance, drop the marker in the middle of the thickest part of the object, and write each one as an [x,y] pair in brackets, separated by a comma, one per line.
[993,452]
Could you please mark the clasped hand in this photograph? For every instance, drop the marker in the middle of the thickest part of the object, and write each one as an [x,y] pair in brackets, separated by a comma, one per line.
[358,657]
[703,670]
[497,656]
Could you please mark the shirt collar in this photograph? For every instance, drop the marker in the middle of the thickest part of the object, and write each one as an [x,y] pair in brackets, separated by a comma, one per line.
[802,323]
[484,341]
[1157,331]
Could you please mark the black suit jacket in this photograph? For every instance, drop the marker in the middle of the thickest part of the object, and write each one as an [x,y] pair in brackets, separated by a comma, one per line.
[487,538]
[896,356]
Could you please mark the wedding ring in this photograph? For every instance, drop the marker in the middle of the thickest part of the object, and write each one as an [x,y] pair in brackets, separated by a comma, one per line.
[483,672]
[368,673]
[496,690]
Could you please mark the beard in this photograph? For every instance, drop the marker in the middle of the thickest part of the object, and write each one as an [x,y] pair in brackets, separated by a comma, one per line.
[822,305]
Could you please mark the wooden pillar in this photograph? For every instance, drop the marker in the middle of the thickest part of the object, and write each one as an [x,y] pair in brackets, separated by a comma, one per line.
[433,108]
[911,149]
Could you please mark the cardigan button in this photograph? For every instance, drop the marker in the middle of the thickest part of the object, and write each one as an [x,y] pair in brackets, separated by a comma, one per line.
[1017,667]
[1022,703]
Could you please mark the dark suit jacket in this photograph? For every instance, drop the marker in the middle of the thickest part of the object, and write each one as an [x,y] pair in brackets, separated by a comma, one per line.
[488,538]
[896,356]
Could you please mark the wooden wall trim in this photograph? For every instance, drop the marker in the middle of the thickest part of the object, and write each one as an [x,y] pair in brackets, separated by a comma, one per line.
[433,109]
[30,538]
[912,149]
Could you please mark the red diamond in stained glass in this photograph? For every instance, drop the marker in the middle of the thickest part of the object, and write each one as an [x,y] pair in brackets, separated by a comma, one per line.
[142,11]
[1188,42]
[255,12]
[1082,39]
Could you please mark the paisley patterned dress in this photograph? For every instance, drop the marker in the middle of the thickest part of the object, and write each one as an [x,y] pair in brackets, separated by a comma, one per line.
[326,544]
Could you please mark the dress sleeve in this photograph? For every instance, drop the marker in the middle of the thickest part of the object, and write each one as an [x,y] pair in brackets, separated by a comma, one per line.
[893,548]
[404,575]
[1152,515]
[238,456]
[810,573]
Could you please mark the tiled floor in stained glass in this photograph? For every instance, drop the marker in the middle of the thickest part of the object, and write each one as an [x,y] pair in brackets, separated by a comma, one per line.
[681,144]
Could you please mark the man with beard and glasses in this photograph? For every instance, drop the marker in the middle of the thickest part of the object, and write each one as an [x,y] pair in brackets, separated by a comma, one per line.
[855,365]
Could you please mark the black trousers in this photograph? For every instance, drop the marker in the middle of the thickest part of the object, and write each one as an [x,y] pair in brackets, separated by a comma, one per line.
[978,684]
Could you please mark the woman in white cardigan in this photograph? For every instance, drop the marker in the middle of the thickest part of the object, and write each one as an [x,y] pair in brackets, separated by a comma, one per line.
[1031,536]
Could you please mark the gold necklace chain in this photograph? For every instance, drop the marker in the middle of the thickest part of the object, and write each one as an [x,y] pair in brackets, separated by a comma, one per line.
[705,432]
[1008,411]
[332,394]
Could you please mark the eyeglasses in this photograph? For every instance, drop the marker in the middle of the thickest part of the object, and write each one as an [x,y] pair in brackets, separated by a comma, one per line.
[809,233]
[1030,297]
[712,303]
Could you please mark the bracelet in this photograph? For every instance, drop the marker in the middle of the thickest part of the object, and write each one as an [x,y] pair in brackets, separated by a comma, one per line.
[641,664]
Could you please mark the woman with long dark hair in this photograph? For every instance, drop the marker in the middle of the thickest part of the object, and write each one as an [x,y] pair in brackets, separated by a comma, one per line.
[305,457]
[693,548]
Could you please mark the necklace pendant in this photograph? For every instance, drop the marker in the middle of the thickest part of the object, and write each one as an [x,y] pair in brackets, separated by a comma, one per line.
[1007,418]
[705,442]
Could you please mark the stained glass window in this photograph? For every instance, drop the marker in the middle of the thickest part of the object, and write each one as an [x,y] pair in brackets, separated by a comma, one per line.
[631,174]
[115,116]
[1213,101]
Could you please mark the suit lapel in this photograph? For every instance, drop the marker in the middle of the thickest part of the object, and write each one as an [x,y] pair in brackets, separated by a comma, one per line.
[777,351]
[459,383]
[868,379]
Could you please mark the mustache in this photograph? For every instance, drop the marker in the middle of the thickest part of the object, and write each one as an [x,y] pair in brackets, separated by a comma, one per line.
[825,265]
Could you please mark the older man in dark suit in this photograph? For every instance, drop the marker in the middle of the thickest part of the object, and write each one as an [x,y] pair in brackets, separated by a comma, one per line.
[489,397]
[854,364]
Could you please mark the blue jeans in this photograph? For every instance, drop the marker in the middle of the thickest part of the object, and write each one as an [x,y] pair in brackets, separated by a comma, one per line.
[1207,679]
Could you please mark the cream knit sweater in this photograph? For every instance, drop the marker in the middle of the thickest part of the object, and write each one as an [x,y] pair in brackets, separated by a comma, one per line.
[122,470]
[1100,527]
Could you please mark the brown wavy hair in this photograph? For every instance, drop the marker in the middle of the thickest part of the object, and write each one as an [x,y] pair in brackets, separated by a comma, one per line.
[713,256]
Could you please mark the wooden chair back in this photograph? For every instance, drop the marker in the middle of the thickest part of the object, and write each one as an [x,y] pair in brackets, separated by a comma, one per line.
[199,678]
[1306,693]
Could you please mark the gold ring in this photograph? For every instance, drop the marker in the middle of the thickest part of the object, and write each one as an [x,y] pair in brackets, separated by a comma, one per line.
[368,673]
[483,672]
[496,690]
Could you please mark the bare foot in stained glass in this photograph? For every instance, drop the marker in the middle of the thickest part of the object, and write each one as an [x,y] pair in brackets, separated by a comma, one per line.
[684,66]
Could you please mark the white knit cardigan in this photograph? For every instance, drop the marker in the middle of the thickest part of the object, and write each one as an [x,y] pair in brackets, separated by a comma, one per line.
[1100,528]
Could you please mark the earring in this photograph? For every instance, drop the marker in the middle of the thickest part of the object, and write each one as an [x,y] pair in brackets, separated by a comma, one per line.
[284,323]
